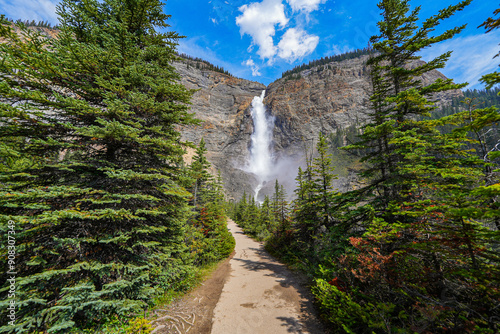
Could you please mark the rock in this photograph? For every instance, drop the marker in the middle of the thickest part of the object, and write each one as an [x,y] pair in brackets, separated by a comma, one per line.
[324,99]
[223,104]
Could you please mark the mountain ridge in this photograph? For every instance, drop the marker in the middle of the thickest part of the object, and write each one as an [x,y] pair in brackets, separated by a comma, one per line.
[311,98]
[323,98]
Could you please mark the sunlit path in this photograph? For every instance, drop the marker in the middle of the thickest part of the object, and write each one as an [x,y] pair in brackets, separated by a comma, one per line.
[261,295]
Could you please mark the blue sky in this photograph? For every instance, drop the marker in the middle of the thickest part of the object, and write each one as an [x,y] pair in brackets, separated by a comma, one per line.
[260,39]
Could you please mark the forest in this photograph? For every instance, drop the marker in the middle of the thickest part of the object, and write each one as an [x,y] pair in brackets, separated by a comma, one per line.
[104,219]
[415,248]
[203,64]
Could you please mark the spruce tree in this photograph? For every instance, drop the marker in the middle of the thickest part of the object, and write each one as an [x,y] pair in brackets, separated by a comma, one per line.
[266,219]
[240,208]
[399,97]
[199,169]
[315,194]
[322,187]
[426,242]
[491,24]
[99,212]
[279,204]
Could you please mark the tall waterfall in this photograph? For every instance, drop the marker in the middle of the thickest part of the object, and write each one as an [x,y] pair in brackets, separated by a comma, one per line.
[261,157]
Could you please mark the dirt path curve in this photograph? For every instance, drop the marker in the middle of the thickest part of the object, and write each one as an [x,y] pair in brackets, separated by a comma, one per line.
[261,295]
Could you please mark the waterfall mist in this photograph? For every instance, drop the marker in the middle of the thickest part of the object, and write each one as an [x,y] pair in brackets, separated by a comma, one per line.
[261,156]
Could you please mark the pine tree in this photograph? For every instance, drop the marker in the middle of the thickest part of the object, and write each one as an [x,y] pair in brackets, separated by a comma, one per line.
[315,193]
[251,216]
[211,222]
[266,219]
[491,24]
[199,170]
[240,208]
[426,242]
[322,187]
[279,204]
[399,97]
[99,213]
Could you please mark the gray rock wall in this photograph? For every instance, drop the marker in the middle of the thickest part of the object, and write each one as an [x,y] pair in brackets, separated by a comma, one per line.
[324,99]
[223,103]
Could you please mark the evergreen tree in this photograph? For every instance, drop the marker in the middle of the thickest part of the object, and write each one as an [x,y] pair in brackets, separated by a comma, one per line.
[216,241]
[241,207]
[322,187]
[426,243]
[99,213]
[315,193]
[251,216]
[399,97]
[491,24]
[279,204]
[199,170]
[266,219]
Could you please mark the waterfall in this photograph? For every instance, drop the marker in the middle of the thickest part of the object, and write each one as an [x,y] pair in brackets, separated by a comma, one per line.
[261,157]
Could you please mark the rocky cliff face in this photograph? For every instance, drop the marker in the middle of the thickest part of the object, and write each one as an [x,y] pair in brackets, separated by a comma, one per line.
[223,103]
[320,99]
[323,99]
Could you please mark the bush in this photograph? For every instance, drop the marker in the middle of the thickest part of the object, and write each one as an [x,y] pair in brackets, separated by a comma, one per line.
[346,315]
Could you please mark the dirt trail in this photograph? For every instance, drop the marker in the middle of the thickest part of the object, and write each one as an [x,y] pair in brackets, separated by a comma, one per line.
[248,293]
[193,313]
[261,295]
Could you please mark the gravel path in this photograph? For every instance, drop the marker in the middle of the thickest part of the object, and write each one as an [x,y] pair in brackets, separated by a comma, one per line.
[261,295]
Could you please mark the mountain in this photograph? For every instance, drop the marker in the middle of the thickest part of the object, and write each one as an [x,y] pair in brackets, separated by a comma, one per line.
[323,98]
[223,103]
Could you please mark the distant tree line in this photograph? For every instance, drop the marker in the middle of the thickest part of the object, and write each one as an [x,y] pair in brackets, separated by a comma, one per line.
[472,99]
[204,65]
[33,23]
[482,98]
[326,60]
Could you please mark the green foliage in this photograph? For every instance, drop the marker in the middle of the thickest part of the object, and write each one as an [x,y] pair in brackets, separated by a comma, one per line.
[315,195]
[427,244]
[415,249]
[261,220]
[491,24]
[209,239]
[256,220]
[481,99]
[279,205]
[33,23]
[138,326]
[347,316]
[345,162]
[313,234]
[92,170]
[203,64]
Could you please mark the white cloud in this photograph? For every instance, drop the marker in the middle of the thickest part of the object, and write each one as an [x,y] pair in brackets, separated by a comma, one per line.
[296,44]
[259,20]
[472,57]
[38,10]
[305,5]
[255,69]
